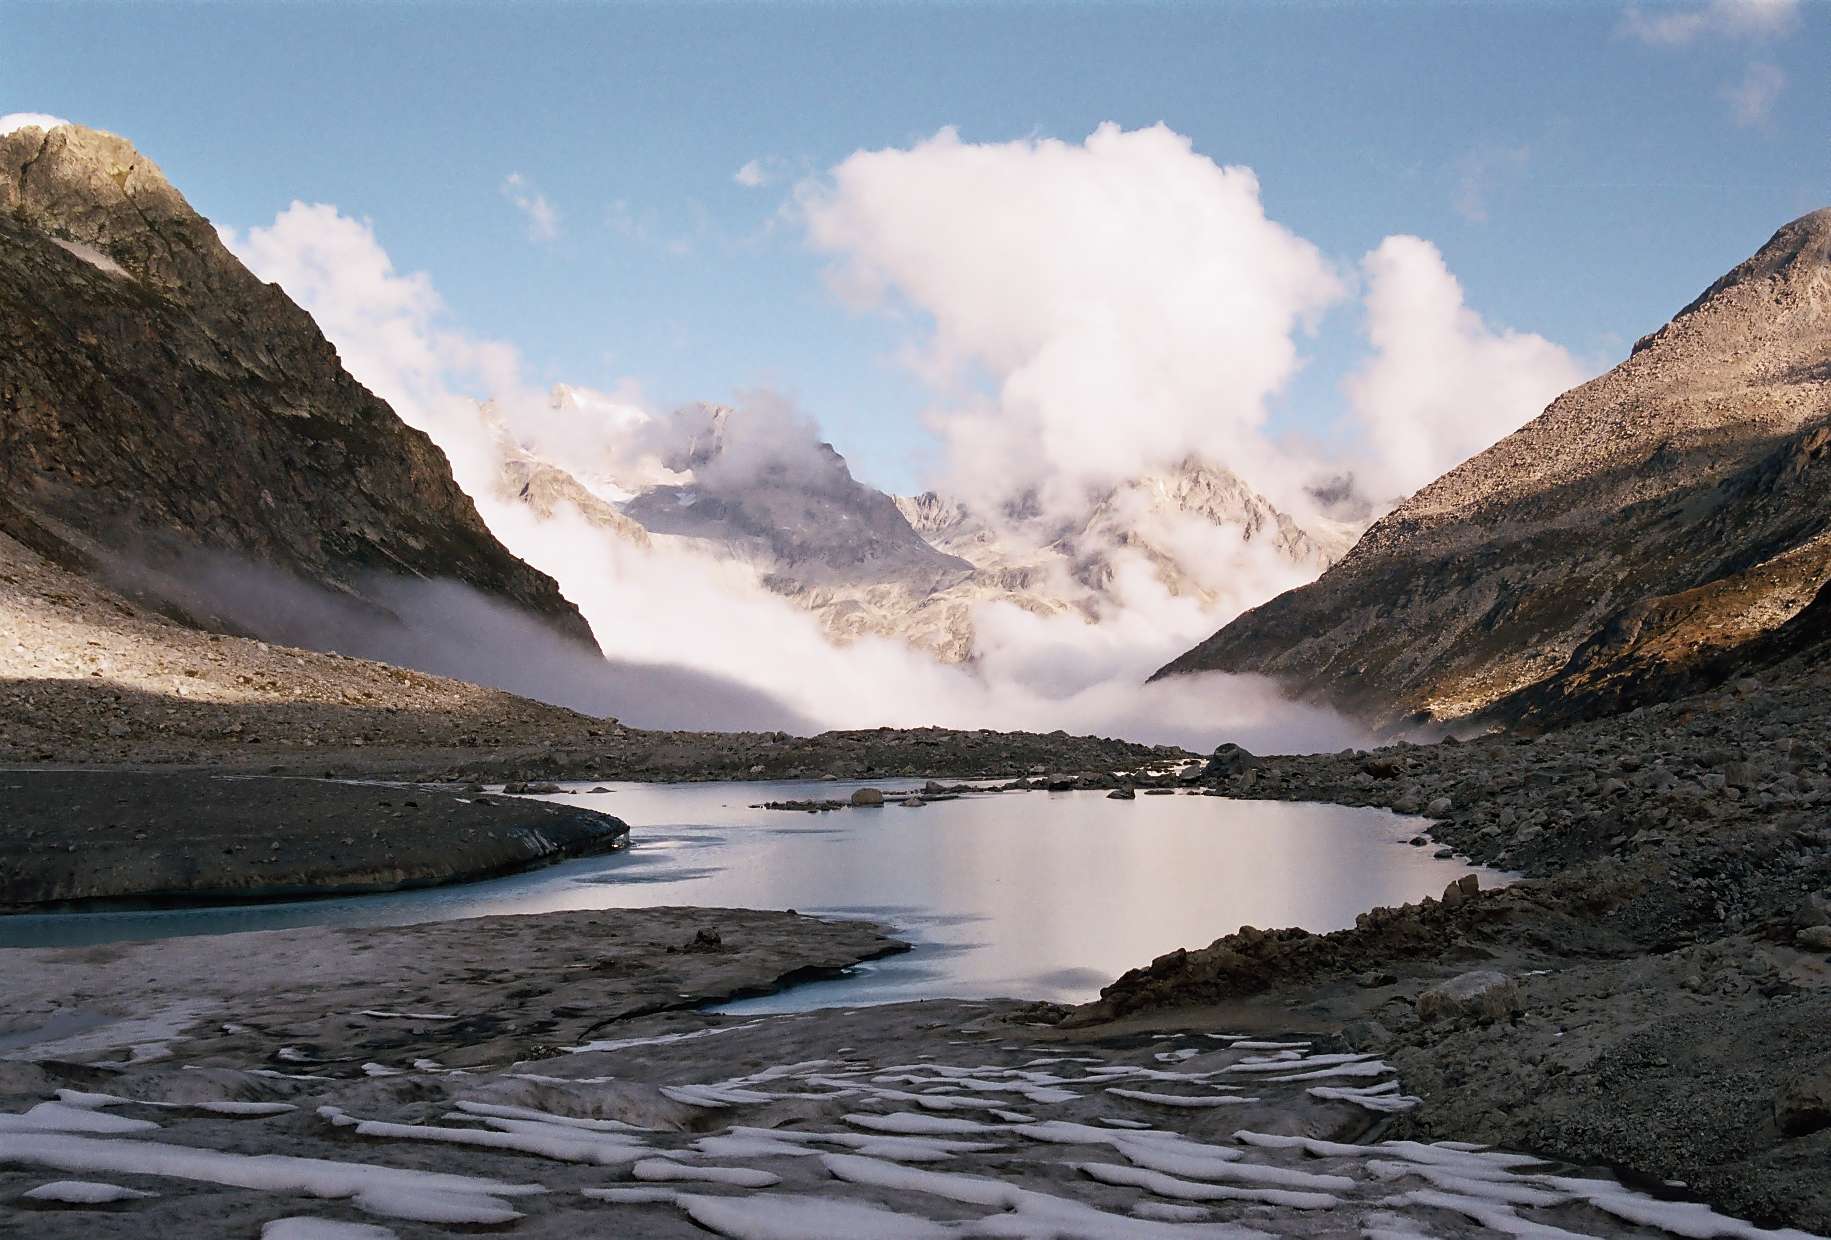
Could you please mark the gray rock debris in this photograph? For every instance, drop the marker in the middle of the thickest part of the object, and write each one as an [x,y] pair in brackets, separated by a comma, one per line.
[1482,994]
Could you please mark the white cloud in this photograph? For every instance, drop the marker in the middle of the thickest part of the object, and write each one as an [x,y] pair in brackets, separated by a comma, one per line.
[24,120]
[1442,385]
[1678,25]
[1752,99]
[543,216]
[1127,299]
[1128,304]
[668,605]
[393,332]
[752,175]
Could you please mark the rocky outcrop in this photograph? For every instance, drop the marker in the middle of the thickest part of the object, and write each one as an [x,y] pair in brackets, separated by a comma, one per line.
[1134,516]
[1651,533]
[157,400]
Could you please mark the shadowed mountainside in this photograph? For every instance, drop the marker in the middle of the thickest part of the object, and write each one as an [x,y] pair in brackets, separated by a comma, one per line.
[156,398]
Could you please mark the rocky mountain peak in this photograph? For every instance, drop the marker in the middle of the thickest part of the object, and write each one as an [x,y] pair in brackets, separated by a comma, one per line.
[1651,529]
[1798,254]
[935,517]
[800,512]
[1743,363]
[158,401]
[94,188]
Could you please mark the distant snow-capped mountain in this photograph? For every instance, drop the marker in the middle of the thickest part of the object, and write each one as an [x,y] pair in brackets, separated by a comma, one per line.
[919,569]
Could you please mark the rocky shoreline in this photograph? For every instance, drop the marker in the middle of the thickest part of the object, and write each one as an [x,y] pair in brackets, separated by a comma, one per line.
[1667,1003]
[1662,995]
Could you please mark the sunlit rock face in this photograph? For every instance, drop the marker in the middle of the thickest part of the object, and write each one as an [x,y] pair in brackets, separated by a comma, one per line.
[1655,530]
[157,401]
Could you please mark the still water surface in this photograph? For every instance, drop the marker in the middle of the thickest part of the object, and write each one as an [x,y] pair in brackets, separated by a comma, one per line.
[1038,895]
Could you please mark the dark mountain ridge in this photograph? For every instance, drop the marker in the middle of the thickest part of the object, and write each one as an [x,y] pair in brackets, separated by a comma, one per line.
[157,399]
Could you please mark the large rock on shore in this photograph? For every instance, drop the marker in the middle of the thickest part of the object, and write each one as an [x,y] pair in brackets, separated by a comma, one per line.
[1482,994]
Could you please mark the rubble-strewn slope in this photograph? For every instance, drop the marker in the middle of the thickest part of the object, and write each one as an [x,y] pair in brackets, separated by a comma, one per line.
[156,398]
[1638,538]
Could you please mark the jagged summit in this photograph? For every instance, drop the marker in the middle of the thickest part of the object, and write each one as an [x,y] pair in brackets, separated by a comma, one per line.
[157,400]
[1646,526]
[1798,250]
[92,187]
[801,515]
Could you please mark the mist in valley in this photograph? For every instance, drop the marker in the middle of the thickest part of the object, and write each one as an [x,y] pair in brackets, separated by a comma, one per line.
[1168,342]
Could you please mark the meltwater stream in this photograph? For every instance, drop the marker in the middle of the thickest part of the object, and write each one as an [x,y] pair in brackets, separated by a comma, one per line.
[1031,894]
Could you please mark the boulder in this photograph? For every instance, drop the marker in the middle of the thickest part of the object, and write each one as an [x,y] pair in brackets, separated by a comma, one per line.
[1121,794]
[867,796]
[1814,910]
[1802,1104]
[1814,938]
[1482,994]
[1229,760]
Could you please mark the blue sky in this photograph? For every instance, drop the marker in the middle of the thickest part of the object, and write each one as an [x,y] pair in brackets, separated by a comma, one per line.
[1581,180]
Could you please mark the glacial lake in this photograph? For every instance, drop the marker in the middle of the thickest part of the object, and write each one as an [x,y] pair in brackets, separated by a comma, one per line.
[1026,894]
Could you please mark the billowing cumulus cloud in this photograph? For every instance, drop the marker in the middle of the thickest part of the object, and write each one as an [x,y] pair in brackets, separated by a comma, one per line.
[1086,313]
[1125,299]
[394,332]
[1441,384]
[668,607]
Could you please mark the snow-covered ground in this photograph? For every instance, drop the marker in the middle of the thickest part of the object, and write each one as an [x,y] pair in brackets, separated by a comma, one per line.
[940,1119]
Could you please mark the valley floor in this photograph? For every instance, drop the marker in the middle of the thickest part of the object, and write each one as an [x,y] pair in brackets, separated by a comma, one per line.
[90,678]
[549,1076]
[1667,1008]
